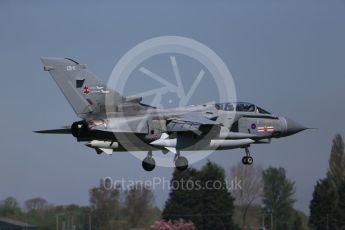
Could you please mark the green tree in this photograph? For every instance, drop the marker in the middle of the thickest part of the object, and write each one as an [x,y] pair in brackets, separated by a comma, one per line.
[336,169]
[299,221]
[35,204]
[323,206]
[217,203]
[326,206]
[38,212]
[105,205]
[340,212]
[278,198]
[247,197]
[202,197]
[10,207]
[181,202]
[71,216]
[138,206]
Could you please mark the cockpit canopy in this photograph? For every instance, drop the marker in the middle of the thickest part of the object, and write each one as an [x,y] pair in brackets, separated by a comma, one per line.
[240,107]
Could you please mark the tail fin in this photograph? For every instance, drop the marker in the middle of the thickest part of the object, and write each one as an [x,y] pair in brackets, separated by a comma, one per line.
[84,92]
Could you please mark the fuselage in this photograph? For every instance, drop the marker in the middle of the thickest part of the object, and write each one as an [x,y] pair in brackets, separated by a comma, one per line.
[140,127]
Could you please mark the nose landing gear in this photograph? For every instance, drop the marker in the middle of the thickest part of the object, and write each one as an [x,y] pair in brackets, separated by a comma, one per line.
[247,159]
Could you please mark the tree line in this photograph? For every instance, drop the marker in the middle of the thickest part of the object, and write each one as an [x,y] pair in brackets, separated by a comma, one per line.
[261,195]
[110,208]
[244,198]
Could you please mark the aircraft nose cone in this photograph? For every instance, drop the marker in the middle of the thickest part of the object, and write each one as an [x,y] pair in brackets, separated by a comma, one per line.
[293,127]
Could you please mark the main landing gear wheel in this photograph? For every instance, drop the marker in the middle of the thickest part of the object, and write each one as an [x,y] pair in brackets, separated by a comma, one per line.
[149,163]
[181,163]
[247,160]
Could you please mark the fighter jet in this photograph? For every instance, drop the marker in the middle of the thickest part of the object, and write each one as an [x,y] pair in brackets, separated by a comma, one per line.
[131,125]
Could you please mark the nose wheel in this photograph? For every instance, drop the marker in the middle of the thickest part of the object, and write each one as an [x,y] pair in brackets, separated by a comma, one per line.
[247,159]
[149,163]
[181,163]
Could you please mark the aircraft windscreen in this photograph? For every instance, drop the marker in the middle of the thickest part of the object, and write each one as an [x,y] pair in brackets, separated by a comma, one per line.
[260,110]
[240,107]
[225,106]
[245,107]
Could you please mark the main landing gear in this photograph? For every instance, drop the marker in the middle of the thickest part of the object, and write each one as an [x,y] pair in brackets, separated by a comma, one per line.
[149,163]
[247,159]
[181,163]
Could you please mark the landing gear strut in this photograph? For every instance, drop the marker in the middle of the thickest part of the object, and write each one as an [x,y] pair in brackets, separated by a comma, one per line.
[181,163]
[247,159]
[149,163]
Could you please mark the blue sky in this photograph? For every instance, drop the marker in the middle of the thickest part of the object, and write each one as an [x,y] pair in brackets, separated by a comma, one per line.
[286,56]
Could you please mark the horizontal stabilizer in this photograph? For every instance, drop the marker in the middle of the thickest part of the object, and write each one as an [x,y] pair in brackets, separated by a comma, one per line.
[55,131]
